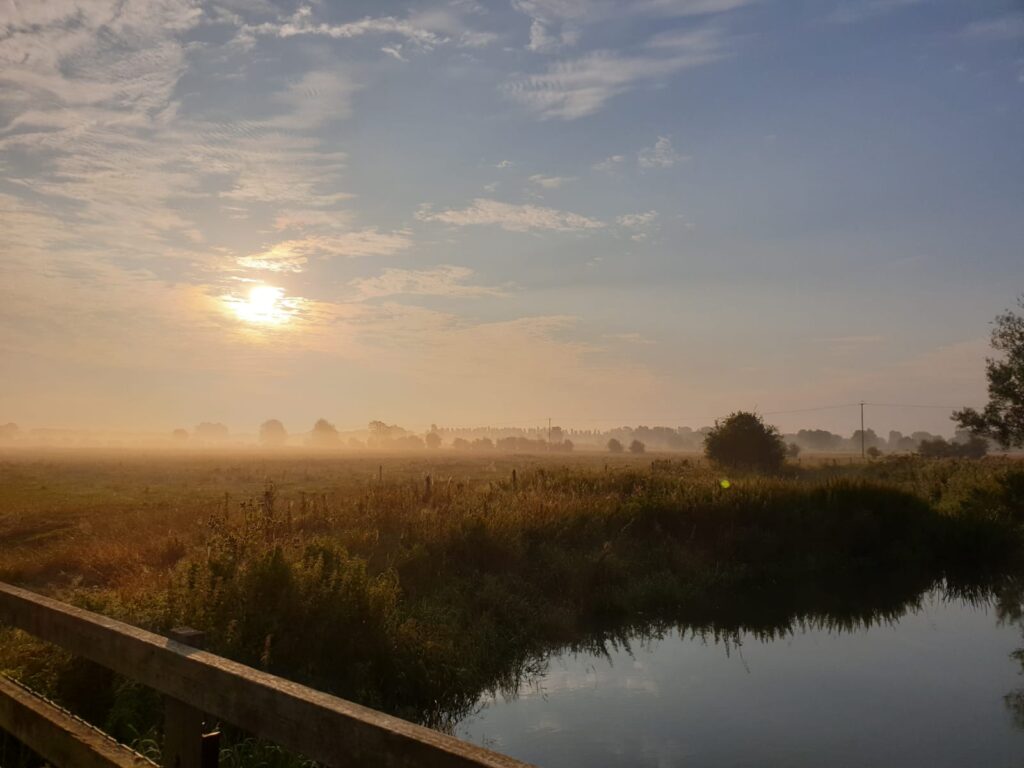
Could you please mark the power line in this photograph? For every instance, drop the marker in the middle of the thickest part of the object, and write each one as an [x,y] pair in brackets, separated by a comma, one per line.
[913,405]
[707,417]
[807,410]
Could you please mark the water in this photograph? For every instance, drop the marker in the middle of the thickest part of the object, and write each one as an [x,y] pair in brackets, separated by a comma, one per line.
[927,689]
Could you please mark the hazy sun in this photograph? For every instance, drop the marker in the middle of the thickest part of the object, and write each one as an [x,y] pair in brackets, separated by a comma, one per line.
[265,305]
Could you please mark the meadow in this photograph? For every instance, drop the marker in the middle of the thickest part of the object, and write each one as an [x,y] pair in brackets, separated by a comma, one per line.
[415,583]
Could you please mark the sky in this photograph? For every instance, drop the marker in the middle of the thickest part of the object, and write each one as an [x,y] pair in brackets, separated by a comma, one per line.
[605,212]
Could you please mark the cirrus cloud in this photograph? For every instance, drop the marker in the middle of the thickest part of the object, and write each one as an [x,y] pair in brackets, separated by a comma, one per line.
[444,280]
[514,218]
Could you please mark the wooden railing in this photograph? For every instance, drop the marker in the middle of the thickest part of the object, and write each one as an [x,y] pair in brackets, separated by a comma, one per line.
[319,726]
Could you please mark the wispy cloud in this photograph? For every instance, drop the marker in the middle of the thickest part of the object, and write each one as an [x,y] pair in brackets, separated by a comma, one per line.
[544,40]
[550,182]
[637,220]
[661,155]
[591,11]
[444,280]
[855,11]
[423,30]
[574,88]
[314,99]
[1007,27]
[302,22]
[639,225]
[557,24]
[293,255]
[394,51]
[610,163]
[514,218]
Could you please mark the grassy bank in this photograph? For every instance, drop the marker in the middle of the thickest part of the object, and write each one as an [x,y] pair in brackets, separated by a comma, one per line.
[414,597]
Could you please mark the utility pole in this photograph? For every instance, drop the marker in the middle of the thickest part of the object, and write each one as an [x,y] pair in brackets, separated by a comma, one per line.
[862,430]
[549,431]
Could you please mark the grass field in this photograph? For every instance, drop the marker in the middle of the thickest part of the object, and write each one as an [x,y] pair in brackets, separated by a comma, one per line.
[359,575]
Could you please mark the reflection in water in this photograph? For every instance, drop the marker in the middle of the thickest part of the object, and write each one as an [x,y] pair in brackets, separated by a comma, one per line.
[915,681]
[1010,611]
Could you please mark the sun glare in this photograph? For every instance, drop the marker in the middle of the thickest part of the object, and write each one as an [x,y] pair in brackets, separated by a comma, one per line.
[265,305]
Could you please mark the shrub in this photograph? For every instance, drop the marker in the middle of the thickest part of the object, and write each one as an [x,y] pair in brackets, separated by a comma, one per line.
[744,441]
[614,446]
[637,447]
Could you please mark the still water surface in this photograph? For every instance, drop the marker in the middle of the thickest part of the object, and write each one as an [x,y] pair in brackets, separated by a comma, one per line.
[925,690]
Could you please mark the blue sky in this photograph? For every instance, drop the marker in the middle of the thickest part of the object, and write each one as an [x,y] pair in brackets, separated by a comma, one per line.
[467,212]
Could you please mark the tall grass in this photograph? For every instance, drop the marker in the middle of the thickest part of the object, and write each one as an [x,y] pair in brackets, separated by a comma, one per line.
[416,597]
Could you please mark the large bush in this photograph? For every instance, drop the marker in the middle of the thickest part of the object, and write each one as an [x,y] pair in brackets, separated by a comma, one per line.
[744,441]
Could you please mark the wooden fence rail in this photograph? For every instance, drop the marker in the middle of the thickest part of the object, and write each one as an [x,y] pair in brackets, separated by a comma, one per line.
[319,726]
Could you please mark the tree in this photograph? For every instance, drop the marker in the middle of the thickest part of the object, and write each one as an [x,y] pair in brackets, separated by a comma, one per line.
[179,435]
[744,441]
[9,431]
[874,452]
[974,448]
[273,433]
[324,434]
[433,440]
[1003,418]
[614,446]
[793,450]
[637,447]
[819,440]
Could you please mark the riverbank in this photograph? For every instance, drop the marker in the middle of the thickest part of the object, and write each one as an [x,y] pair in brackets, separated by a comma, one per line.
[415,597]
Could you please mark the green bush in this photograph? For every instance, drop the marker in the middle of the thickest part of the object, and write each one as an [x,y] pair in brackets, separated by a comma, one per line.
[743,441]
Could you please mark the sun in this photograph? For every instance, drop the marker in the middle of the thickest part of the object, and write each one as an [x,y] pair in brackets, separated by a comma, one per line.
[265,305]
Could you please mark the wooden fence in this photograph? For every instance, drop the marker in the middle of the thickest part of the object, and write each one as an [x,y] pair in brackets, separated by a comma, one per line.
[319,726]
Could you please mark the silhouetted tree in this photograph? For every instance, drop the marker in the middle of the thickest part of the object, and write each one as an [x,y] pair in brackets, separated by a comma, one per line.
[744,441]
[1003,418]
[273,433]
[819,440]
[9,431]
[324,434]
[874,452]
[460,443]
[433,440]
[935,449]
[870,439]
[179,435]
[637,447]
[614,446]
[793,450]
[974,448]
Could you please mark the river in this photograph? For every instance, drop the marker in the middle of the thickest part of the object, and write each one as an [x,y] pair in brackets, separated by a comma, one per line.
[926,688]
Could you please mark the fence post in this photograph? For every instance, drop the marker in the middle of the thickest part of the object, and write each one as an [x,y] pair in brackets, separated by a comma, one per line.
[185,743]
